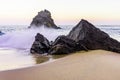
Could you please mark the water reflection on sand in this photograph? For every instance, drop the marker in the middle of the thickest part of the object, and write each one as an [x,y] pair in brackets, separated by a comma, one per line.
[13,59]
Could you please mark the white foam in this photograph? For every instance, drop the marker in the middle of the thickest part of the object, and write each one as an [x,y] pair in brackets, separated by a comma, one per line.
[23,39]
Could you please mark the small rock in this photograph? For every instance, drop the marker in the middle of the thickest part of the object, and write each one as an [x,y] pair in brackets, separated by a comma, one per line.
[41,45]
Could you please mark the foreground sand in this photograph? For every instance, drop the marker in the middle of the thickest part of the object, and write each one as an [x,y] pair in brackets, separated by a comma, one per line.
[93,65]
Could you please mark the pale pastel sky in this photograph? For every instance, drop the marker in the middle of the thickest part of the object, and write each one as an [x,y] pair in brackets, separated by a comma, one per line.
[63,11]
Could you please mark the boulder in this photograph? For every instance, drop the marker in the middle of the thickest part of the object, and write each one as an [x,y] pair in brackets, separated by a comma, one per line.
[41,45]
[64,45]
[93,38]
[43,19]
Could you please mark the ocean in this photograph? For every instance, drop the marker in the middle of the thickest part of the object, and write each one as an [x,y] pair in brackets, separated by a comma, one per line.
[15,44]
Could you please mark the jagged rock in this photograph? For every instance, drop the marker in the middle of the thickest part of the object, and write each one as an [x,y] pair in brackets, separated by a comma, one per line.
[41,45]
[93,38]
[64,45]
[43,19]
[84,36]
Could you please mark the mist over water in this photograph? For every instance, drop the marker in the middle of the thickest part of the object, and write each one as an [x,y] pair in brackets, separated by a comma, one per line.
[23,39]
[16,43]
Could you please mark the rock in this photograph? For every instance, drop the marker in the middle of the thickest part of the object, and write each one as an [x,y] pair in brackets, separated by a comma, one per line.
[1,33]
[43,19]
[83,36]
[93,38]
[64,45]
[41,45]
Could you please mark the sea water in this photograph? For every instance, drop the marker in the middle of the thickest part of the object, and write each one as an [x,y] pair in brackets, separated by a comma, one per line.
[15,44]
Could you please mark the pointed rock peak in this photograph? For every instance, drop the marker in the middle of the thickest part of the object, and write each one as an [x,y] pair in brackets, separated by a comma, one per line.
[44,13]
[85,24]
[83,20]
[85,29]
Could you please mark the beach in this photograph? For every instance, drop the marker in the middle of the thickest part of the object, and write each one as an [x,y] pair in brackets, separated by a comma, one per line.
[91,65]
[59,40]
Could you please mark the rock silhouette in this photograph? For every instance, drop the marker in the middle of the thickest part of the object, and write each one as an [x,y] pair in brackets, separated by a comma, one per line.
[43,19]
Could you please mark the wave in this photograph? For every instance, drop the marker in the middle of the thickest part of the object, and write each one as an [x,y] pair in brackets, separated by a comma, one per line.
[23,39]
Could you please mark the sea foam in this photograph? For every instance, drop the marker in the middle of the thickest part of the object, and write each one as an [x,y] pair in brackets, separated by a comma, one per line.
[23,39]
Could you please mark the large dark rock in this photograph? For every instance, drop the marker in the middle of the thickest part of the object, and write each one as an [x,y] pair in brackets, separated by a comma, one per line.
[41,45]
[84,36]
[65,45]
[93,38]
[62,45]
[43,19]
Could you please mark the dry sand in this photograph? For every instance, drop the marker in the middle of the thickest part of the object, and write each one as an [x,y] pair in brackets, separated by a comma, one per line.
[92,65]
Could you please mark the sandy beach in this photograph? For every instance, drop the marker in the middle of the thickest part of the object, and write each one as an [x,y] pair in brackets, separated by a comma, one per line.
[92,65]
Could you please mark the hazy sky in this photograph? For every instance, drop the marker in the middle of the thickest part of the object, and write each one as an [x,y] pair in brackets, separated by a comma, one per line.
[63,11]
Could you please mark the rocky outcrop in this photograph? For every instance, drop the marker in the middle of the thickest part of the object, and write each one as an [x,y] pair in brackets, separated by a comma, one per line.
[62,45]
[43,19]
[83,36]
[65,45]
[93,38]
[41,45]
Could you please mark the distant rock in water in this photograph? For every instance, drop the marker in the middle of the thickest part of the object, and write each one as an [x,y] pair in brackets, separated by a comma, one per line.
[41,45]
[43,19]
[1,33]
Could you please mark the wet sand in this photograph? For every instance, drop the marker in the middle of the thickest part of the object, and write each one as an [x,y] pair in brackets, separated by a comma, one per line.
[92,65]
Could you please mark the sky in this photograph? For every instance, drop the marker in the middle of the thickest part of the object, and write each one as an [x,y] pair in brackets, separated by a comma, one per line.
[64,12]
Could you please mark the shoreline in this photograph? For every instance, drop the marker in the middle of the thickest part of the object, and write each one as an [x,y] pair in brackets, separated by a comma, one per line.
[26,67]
[91,65]
[39,64]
